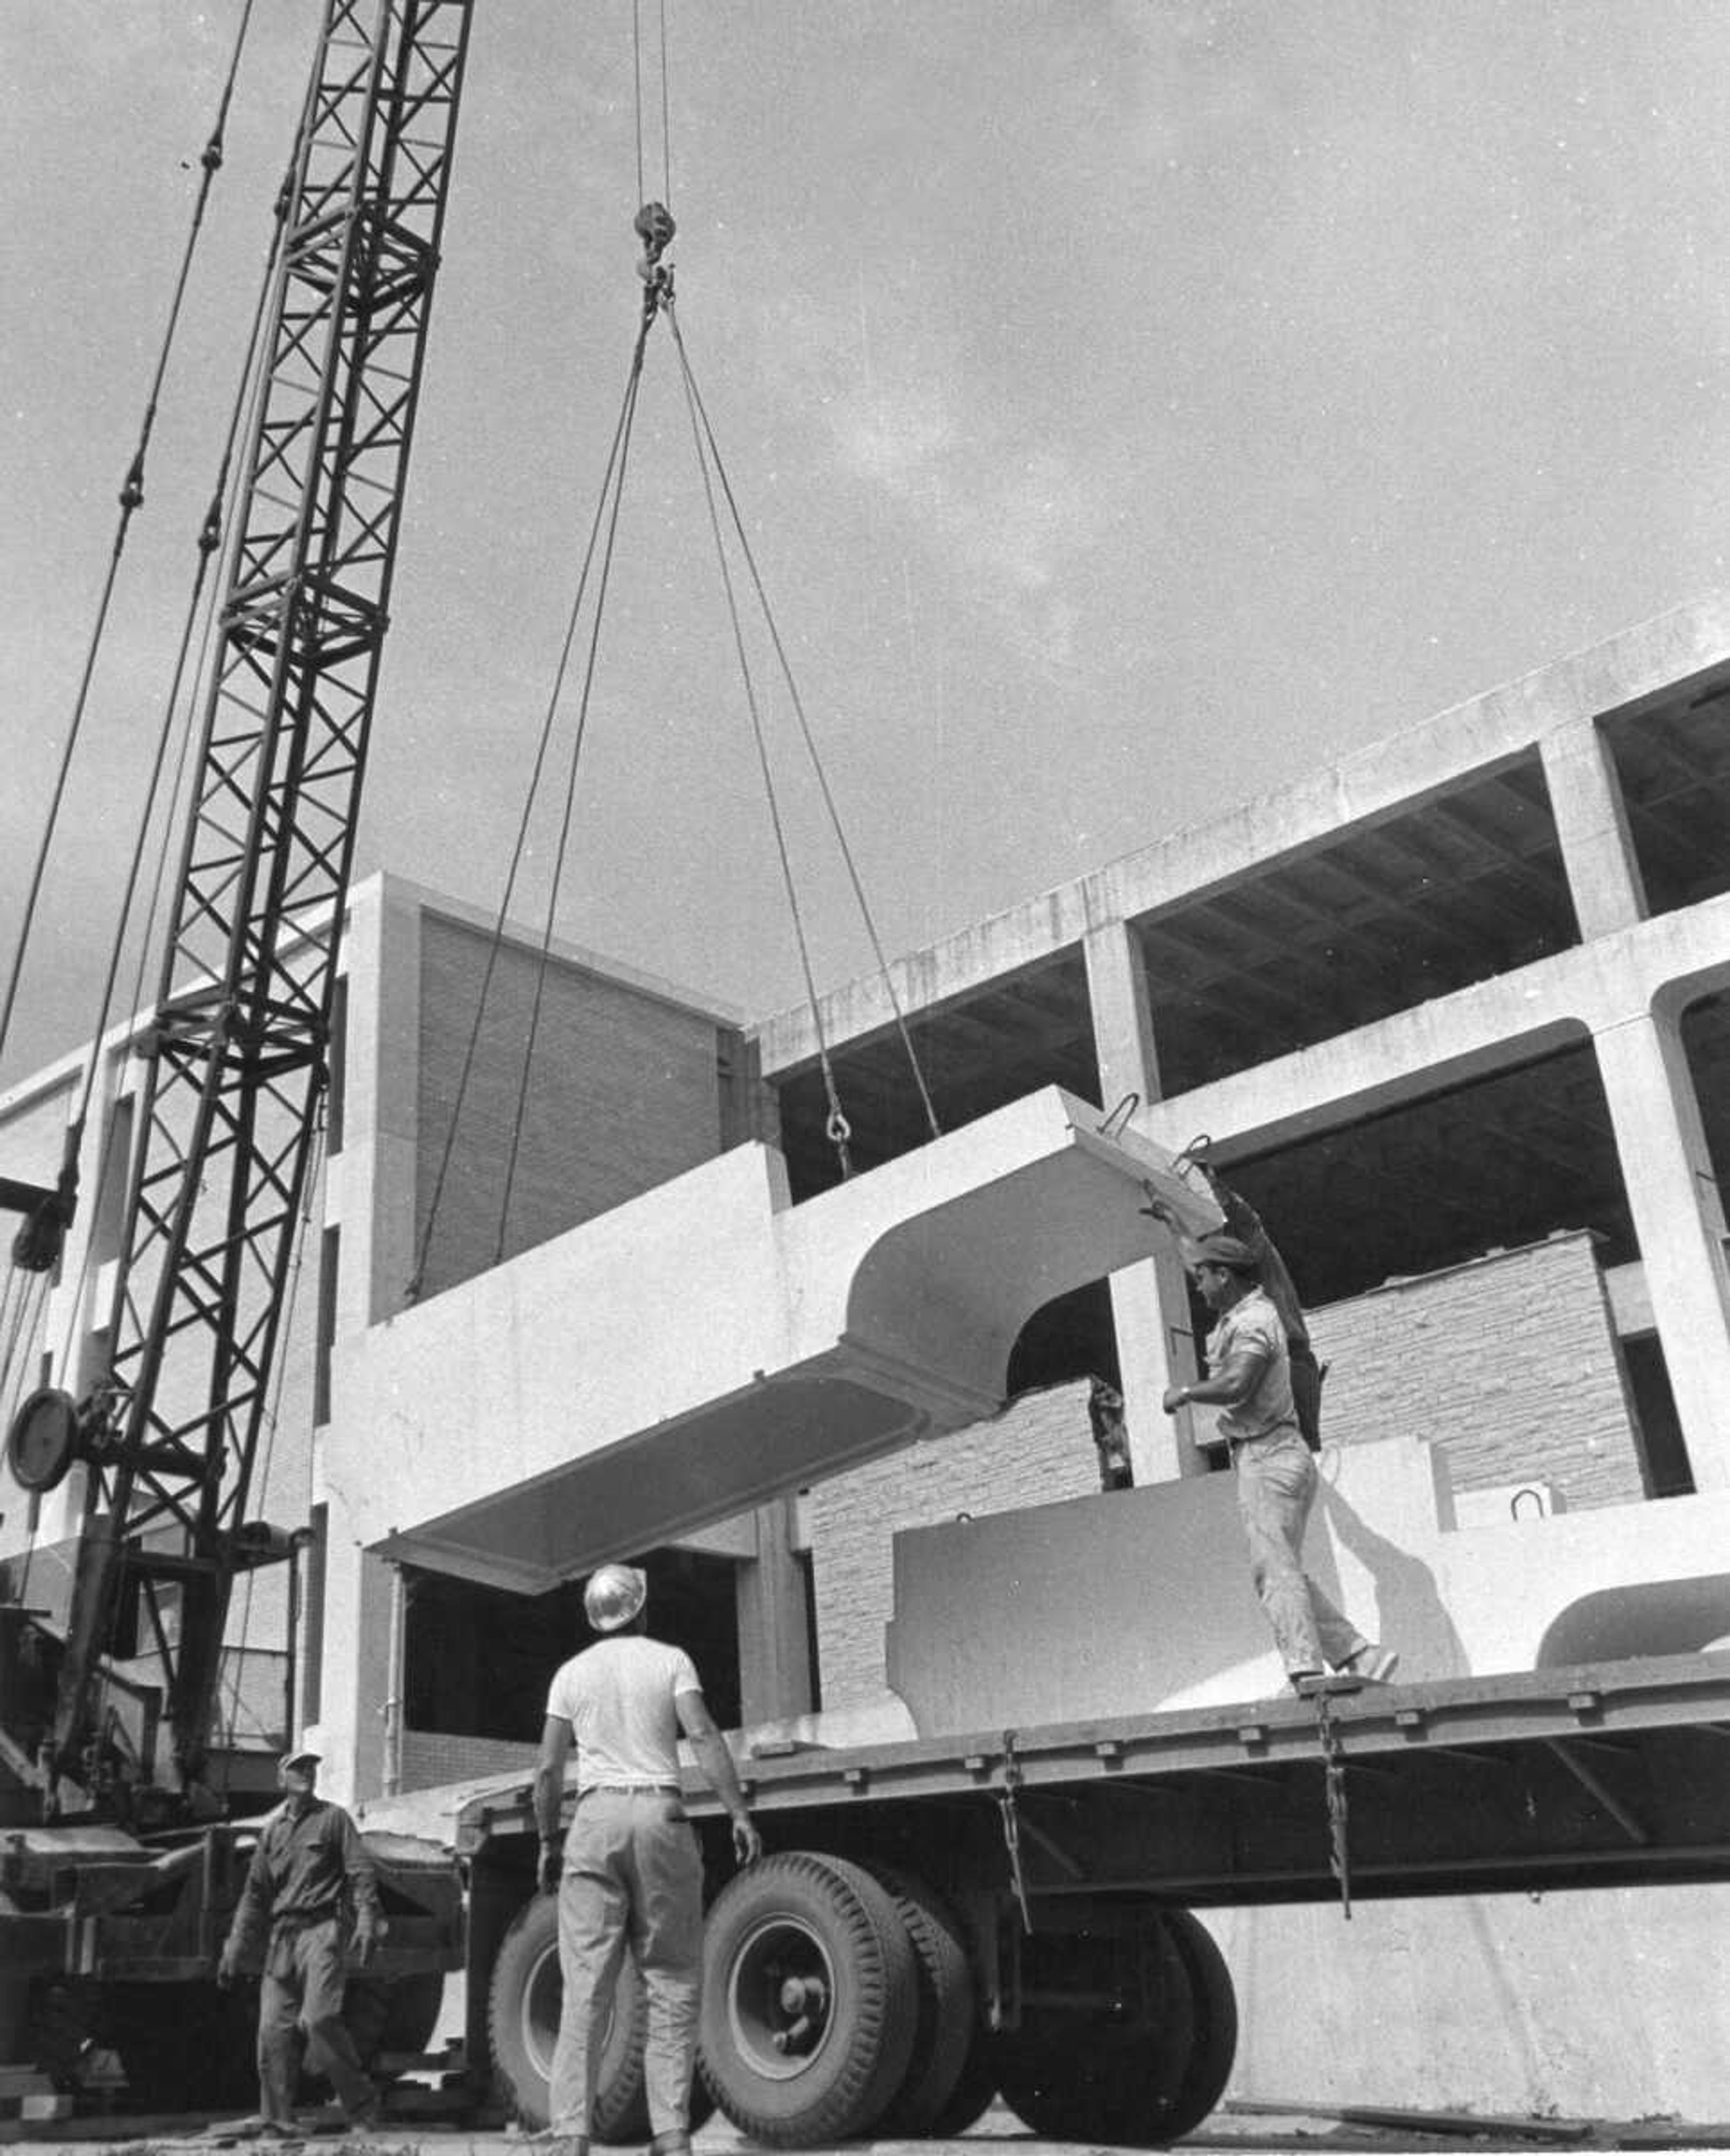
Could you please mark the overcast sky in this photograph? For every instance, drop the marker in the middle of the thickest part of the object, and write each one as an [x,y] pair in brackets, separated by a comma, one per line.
[1134,406]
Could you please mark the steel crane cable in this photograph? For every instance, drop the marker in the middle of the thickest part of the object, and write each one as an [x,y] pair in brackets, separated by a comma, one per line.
[708,450]
[520,1113]
[201,605]
[616,455]
[131,498]
[666,131]
[655,231]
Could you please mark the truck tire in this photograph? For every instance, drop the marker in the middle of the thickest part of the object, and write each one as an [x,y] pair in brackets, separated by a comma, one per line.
[973,2092]
[1106,2036]
[523,2010]
[946,2007]
[809,2000]
[1214,2048]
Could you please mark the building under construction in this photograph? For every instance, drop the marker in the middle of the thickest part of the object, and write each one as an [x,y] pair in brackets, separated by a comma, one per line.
[1452,1015]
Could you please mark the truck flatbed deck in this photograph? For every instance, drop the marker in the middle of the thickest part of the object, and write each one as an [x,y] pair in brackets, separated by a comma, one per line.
[1600,1774]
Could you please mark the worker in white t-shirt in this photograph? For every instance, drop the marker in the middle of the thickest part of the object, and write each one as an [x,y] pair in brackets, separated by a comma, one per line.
[631,1870]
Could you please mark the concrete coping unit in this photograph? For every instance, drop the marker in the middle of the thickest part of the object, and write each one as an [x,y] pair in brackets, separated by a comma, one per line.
[710,1344]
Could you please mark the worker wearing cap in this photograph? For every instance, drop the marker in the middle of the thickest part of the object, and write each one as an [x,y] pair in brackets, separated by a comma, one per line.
[1251,1380]
[309,1879]
[630,1869]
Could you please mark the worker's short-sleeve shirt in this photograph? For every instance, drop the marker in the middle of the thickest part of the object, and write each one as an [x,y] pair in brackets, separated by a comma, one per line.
[1253,1324]
[618,1697]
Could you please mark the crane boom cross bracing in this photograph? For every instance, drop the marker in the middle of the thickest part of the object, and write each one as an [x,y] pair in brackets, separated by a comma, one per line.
[236,1061]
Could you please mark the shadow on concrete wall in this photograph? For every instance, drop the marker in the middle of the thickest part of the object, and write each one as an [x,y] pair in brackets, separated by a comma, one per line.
[1410,1614]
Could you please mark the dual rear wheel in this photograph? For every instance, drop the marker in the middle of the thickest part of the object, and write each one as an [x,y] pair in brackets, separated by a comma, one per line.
[840,2000]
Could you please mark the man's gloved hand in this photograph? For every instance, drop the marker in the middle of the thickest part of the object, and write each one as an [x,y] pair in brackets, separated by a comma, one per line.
[548,1867]
[228,1970]
[368,1934]
[747,1842]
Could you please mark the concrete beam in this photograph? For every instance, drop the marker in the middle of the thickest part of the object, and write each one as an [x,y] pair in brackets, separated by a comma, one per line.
[710,1345]
[1676,654]
[1473,1033]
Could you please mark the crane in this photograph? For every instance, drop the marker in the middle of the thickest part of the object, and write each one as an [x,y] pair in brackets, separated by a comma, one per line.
[234,1065]
[236,1058]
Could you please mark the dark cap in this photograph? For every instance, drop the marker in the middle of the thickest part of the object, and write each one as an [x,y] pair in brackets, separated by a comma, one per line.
[1228,1252]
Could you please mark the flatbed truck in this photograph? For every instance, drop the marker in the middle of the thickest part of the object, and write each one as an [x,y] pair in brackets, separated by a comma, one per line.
[1008,1911]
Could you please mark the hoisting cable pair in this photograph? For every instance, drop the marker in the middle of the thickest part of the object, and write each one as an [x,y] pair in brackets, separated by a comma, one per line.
[655,226]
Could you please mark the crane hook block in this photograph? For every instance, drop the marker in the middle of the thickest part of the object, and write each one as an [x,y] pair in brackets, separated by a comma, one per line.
[654,226]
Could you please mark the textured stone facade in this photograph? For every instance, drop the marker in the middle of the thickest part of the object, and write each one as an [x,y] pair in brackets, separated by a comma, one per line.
[1510,1365]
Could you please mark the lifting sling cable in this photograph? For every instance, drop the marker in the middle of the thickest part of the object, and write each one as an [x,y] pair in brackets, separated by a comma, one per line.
[837,1128]
[655,232]
[131,498]
[520,1113]
[699,419]
[621,435]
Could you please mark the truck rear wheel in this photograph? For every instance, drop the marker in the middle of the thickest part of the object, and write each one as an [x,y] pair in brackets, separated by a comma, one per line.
[809,2000]
[523,2013]
[1107,2034]
[943,2025]
[1213,2047]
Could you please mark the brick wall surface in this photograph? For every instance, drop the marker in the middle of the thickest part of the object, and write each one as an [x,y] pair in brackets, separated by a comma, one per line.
[624,1094]
[429,1760]
[1510,1364]
[1038,1451]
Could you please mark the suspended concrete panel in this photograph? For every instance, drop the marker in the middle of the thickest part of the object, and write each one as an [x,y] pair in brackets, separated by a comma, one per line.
[710,1344]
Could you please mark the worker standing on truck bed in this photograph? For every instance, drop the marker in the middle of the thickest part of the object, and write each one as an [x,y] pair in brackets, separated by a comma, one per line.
[630,1869]
[310,1873]
[1251,1380]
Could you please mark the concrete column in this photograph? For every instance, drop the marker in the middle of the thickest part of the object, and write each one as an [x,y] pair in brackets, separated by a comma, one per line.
[1679,1217]
[356,1624]
[1150,1303]
[774,1622]
[1592,824]
[372,1181]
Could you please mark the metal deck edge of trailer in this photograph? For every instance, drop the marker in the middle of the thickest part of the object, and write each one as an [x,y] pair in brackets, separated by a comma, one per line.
[1600,1774]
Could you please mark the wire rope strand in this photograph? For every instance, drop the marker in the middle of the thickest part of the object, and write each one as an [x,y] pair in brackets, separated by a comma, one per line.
[627,409]
[208,543]
[666,124]
[837,1119]
[637,83]
[204,595]
[807,736]
[131,498]
[564,836]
